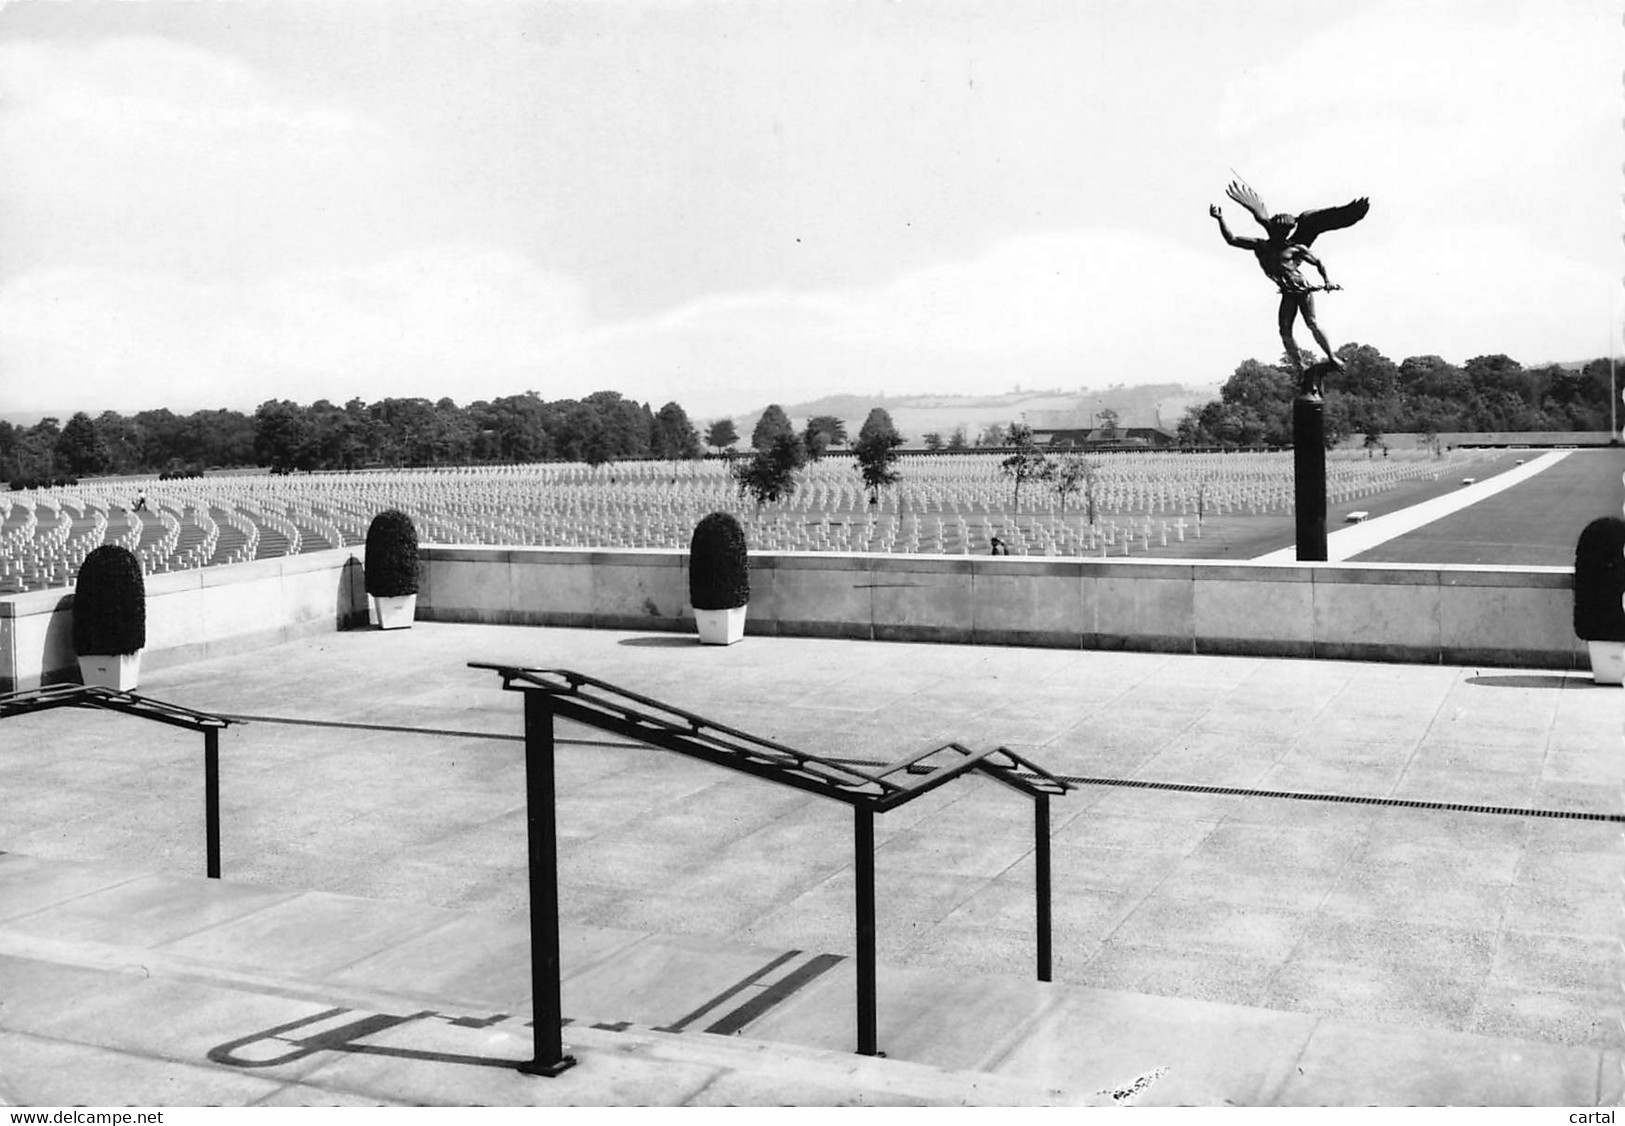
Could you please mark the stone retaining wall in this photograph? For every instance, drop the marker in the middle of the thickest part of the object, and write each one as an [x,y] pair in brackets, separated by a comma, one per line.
[193,614]
[1506,616]
[1510,616]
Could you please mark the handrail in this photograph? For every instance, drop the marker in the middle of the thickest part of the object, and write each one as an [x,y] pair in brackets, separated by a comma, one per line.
[611,707]
[30,700]
[551,693]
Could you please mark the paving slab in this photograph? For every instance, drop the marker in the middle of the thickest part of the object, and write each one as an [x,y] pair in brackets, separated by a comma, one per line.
[46,1072]
[1194,1052]
[85,1022]
[24,892]
[171,1027]
[146,911]
[377,766]
[1434,1068]
[951,1020]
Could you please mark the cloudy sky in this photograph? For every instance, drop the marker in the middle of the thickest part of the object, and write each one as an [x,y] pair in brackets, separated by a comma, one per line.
[731,203]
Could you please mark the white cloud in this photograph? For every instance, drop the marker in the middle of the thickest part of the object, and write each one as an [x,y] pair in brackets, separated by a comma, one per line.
[141,81]
[448,320]
[182,230]
[1095,307]
[1086,307]
[1439,111]
[143,152]
[1469,290]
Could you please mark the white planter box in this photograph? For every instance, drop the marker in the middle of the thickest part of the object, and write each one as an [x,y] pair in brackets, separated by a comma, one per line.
[720,627]
[118,671]
[1607,661]
[393,613]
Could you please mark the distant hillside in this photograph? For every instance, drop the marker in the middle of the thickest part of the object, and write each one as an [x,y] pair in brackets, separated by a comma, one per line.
[918,415]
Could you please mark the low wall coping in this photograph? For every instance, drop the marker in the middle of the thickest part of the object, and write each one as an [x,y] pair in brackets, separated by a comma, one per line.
[1446,574]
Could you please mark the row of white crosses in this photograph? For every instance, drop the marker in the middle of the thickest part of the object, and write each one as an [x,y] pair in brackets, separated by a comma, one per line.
[45,546]
[37,553]
[952,504]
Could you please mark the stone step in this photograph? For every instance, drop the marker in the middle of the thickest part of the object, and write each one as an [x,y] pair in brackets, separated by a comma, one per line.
[194,991]
[126,987]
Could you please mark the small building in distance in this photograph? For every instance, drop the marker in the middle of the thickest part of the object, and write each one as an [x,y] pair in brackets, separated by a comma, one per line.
[1100,430]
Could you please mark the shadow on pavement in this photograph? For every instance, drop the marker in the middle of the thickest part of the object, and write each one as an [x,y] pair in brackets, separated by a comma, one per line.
[659,640]
[1526,680]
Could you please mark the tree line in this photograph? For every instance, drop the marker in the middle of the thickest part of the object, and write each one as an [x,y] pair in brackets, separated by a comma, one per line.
[1374,396]
[286,437]
[395,432]
[1371,396]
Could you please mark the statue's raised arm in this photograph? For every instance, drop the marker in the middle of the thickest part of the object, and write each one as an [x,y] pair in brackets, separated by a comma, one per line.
[1233,240]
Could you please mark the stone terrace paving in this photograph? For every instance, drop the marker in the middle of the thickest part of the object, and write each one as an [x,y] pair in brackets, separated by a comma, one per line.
[1239,948]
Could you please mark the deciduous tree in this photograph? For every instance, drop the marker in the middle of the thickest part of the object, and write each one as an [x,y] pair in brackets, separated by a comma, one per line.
[770,475]
[673,437]
[80,450]
[721,434]
[831,431]
[773,424]
[1026,463]
[282,435]
[1075,473]
[878,422]
[876,454]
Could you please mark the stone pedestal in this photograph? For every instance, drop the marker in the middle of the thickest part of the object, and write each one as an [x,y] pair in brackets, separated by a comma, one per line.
[1309,475]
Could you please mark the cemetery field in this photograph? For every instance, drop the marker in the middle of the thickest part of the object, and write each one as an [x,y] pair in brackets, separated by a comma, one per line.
[1157,505]
[1534,523]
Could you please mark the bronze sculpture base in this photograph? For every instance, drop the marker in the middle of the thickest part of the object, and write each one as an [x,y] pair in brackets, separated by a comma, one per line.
[1312,379]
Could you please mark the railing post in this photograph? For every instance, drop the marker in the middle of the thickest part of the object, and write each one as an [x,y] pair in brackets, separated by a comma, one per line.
[542,832]
[1041,865]
[863,847]
[211,800]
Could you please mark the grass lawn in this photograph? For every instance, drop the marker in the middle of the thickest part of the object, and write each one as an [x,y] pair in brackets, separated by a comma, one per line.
[1531,524]
[1242,537]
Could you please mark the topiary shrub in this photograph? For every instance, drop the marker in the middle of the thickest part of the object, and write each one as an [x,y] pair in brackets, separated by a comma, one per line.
[1599,580]
[392,555]
[718,564]
[110,603]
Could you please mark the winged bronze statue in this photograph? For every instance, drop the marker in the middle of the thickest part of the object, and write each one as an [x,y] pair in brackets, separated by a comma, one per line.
[1282,253]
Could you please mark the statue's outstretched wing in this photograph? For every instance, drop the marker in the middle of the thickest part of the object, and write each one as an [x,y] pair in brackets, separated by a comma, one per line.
[1243,194]
[1311,224]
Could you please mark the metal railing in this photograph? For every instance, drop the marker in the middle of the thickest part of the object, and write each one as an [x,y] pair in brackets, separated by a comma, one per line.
[555,693]
[31,700]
